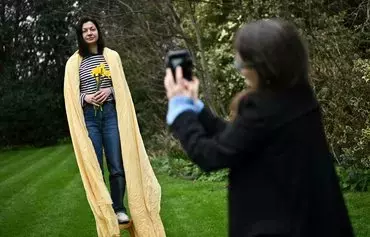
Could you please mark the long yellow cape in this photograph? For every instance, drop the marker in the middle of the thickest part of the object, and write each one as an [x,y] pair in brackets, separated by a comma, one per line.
[143,189]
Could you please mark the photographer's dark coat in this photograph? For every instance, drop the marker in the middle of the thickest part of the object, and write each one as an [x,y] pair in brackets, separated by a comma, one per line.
[282,178]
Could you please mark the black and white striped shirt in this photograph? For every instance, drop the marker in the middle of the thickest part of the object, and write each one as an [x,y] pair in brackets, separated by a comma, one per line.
[88,84]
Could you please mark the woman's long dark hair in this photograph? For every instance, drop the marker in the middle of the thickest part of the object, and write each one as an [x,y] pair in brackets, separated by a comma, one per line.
[274,48]
[83,48]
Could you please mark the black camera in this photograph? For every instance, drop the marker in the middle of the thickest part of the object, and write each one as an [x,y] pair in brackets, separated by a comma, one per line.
[180,58]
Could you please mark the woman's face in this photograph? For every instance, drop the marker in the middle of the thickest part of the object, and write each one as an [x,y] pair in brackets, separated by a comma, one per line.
[90,33]
[250,74]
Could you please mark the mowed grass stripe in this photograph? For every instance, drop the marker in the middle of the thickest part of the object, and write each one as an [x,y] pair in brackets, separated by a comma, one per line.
[20,161]
[67,215]
[202,202]
[77,217]
[32,170]
[9,157]
[36,200]
[73,216]
[32,184]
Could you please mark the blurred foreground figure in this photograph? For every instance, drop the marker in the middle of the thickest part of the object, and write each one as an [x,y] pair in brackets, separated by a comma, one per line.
[282,180]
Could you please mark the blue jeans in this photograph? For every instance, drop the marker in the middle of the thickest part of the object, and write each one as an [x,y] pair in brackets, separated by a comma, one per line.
[103,132]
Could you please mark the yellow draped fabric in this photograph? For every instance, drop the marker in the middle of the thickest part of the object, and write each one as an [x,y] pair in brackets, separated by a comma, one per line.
[143,189]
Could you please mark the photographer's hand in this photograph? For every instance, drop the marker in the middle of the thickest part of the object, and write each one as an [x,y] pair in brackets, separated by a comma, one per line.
[182,95]
[193,87]
[177,88]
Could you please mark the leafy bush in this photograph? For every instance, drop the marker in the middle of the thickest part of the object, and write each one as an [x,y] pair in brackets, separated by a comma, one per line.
[32,116]
[172,160]
[352,179]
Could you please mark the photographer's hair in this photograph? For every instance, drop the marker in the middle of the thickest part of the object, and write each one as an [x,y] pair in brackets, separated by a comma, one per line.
[83,48]
[274,48]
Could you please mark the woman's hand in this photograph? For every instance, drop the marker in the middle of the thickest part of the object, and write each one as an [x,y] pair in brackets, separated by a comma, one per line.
[101,96]
[90,99]
[181,87]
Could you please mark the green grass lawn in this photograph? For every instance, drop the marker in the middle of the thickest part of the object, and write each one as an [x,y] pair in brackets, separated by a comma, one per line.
[41,194]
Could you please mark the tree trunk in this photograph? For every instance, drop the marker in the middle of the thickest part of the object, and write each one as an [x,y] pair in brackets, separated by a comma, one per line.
[206,82]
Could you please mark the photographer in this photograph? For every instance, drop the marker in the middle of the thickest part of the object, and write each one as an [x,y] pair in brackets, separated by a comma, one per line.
[282,180]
